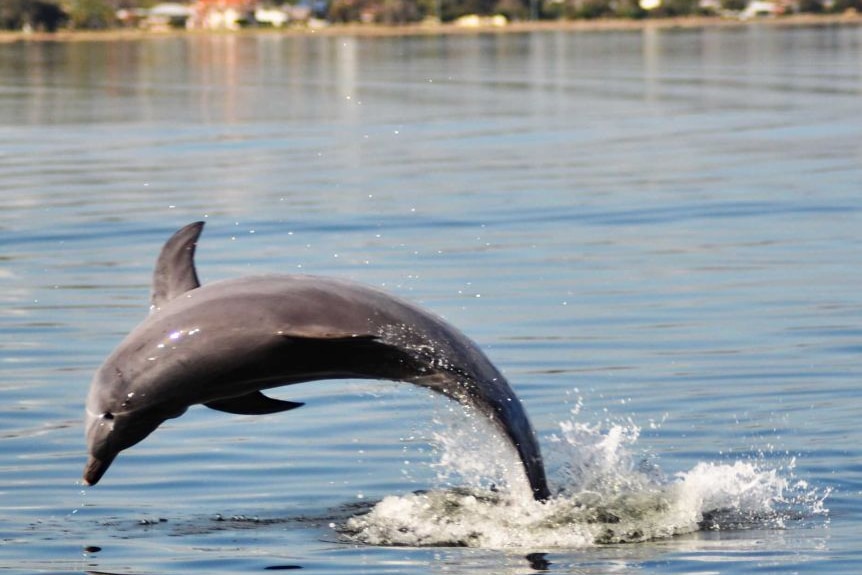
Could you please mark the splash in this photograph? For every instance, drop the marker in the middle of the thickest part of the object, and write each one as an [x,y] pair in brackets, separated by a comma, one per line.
[606,495]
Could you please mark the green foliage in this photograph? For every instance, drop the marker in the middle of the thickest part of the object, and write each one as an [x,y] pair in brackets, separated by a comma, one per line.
[670,8]
[589,9]
[513,9]
[344,11]
[398,12]
[91,14]
[630,9]
[12,14]
[592,9]
[380,11]
[812,6]
[39,14]
[452,9]
[845,5]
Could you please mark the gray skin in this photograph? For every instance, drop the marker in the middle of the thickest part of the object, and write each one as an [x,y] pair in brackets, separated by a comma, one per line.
[222,343]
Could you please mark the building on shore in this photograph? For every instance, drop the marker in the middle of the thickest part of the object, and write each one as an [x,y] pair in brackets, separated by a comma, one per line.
[222,14]
[236,14]
[214,15]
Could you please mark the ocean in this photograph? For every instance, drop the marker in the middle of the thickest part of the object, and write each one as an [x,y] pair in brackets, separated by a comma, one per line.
[655,234]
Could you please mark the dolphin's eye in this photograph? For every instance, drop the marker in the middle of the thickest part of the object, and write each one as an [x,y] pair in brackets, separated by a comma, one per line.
[107,415]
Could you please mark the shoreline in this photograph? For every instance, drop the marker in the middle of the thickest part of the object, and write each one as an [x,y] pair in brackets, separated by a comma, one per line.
[382,30]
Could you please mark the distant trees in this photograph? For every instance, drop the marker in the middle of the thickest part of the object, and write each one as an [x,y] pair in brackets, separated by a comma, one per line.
[405,11]
[34,14]
[49,15]
[91,14]
[843,5]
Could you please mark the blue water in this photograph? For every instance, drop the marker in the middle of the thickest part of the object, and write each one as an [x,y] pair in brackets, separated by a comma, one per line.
[655,234]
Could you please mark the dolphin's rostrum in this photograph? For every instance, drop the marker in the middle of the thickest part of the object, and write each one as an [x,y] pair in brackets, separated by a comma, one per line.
[222,343]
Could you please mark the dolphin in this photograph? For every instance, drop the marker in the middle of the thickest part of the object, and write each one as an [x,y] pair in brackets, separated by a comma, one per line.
[221,344]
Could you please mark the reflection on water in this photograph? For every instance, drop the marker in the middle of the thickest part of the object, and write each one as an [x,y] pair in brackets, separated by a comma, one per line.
[230,79]
[646,230]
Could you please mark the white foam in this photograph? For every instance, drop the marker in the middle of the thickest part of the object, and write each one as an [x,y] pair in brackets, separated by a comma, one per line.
[603,495]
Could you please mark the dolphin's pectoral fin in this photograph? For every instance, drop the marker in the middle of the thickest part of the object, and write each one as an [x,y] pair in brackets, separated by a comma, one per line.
[175,269]
[254,403]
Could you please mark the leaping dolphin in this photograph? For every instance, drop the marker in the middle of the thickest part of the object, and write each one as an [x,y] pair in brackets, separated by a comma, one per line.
[222,343]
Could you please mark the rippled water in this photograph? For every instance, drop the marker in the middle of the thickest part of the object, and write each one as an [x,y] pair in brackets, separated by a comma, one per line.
[655,234]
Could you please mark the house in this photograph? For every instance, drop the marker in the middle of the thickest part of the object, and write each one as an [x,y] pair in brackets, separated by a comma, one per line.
[166,15]
[759,9]
[222,14]
[275,17]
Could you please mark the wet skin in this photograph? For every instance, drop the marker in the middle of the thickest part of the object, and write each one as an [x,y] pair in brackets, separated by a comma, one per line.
[222,343]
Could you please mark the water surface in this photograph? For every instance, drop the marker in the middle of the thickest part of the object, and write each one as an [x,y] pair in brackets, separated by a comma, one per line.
[655,234]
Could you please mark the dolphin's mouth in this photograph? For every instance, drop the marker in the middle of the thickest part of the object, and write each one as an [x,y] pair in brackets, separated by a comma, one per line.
[95,469]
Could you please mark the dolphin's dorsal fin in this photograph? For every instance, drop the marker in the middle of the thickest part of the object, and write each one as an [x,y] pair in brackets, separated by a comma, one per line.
[254,403]
[175,269]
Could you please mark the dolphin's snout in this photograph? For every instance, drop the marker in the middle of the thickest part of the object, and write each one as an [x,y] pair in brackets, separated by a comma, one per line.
[96,436]
[95,469]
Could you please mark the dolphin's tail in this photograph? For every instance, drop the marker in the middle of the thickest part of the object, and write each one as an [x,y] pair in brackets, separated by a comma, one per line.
[531,457]
[495,399]
[508,413]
